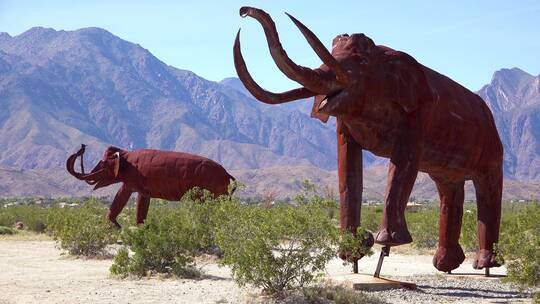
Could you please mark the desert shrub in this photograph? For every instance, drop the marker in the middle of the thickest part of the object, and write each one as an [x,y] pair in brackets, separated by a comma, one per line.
[121,263]
[6,230]
[469,238]
[519,245]
[202,209]
[81,231]
[276,249]
[8,216]
[424,227]
[371,217]
[308,193]
[32,216]
[166,243]
[354,244]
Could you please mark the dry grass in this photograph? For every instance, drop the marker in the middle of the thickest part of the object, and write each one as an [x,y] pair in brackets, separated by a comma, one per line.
[24,235]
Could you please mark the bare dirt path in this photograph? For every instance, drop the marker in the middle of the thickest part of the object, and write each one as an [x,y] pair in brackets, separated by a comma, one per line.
[36,272]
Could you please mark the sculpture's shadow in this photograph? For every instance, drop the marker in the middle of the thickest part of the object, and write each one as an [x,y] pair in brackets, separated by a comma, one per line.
[474,274]
[471,292]
[212,278]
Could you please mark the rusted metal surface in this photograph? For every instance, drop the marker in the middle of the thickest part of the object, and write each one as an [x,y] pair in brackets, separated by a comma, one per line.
[391,105]
[152,174]
[385,251]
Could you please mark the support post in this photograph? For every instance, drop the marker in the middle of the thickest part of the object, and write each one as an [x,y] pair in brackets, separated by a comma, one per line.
[384,253]
[487,272]
[355,266]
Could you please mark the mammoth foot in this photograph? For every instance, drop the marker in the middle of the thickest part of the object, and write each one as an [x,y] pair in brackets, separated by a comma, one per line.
[446,259]
[347,255]
[388,237]
[485,258]
[114,224]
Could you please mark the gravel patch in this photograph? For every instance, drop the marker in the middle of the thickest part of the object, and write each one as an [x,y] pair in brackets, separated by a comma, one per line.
[447,289]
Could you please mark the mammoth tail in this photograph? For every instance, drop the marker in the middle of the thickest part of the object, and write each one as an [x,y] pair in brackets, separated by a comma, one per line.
[234,185]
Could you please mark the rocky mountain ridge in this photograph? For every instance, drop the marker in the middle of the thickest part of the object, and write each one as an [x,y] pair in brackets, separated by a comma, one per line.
[62,88]
[514,98]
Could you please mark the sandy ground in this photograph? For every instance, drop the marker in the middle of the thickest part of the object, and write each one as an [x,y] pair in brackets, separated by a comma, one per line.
[37,272]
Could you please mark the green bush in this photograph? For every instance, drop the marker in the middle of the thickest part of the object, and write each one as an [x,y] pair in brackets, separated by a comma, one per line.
[469,237]
[519,245]
[308,193]
[424,227]
[33,217]
[355,244]
[81,231]
[7,216]
[166,244]
[371,217]
[202,211]
[121,263]
[6,230]
[276,249]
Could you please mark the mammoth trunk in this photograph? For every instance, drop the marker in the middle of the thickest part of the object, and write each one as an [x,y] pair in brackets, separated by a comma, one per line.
[92,177]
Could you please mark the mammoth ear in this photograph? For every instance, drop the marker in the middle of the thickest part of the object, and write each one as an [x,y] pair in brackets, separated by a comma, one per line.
[409,85]
[110,151]
[116,164]
[314,111]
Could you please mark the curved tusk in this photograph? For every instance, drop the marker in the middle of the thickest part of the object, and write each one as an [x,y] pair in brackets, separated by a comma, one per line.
[311,79]
[70,166]
[321,51]
[70,163]
[258,92]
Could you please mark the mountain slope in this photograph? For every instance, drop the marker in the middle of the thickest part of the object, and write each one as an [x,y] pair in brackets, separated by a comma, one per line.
[62,88]
[279,182]
[514,98]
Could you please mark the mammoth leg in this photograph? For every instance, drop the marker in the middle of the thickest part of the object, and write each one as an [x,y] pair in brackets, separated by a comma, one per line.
[119,202]
[449,253]
[143,202]
[402,172]
[350,182]
[393,230]
[488,199]
[350,179]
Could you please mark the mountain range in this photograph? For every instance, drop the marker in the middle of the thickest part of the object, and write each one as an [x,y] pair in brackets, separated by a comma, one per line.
[514,98]
[59,89]
[63,88]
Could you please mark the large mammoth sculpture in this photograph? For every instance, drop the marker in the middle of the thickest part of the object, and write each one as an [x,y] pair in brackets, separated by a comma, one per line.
[388,103]
[153,174]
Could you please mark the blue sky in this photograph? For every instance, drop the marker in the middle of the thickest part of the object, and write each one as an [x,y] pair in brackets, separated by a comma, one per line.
[465,40]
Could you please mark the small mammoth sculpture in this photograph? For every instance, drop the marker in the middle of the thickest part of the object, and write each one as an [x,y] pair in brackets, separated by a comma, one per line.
[152,174]
[391,105]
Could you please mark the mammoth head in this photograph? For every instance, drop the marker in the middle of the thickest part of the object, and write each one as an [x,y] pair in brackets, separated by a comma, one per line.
[105,173]
[356,69]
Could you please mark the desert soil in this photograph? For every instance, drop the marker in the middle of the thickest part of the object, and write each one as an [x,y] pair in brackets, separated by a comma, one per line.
[34,271]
